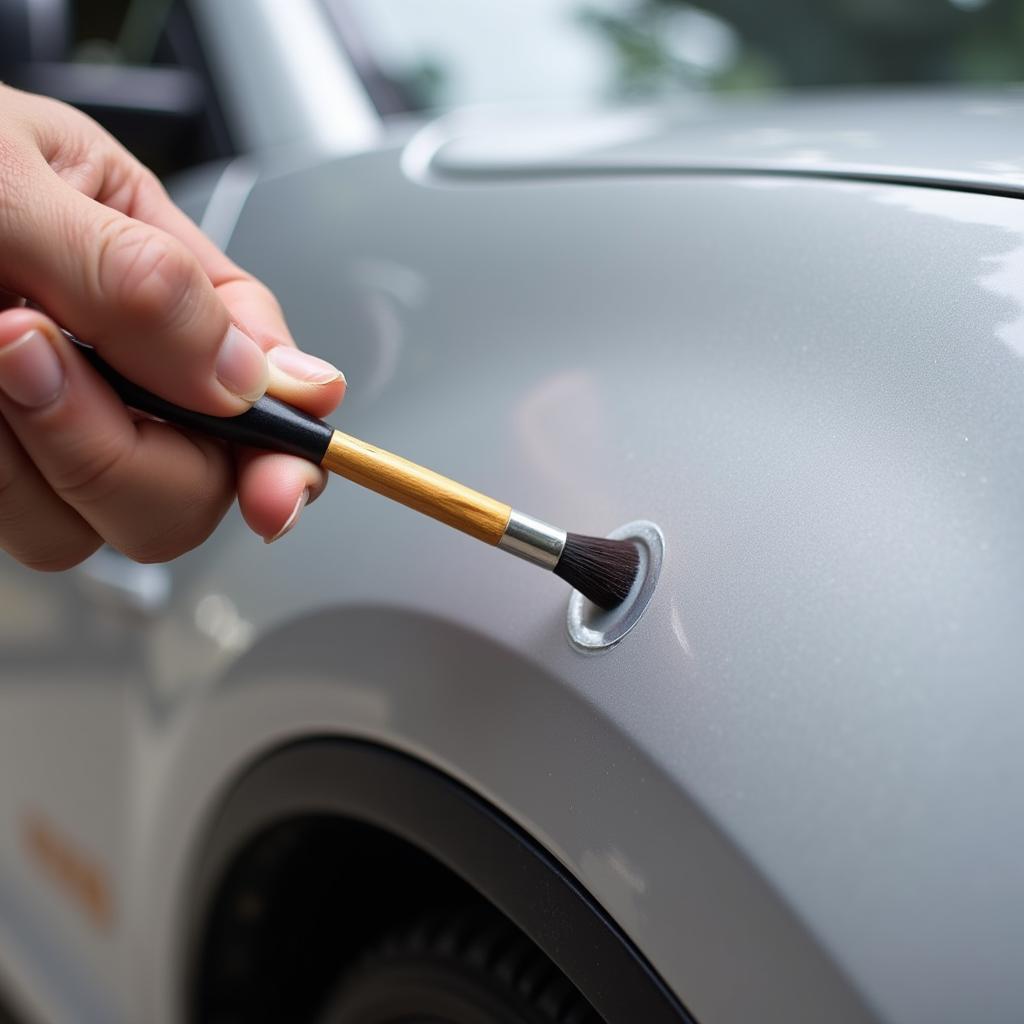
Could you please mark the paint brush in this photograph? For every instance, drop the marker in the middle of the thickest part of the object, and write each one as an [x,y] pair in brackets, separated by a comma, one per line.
[602,570]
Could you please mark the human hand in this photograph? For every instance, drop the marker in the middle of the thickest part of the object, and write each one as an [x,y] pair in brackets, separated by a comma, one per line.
[90,235]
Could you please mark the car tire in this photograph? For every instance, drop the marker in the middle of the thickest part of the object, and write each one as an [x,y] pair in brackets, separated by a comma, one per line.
[472,967]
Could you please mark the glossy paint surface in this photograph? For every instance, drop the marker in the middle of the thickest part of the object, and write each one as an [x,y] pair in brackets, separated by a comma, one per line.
[792,782]
[960,137]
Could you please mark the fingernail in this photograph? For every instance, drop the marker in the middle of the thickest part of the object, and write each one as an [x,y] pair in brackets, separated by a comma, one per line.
[31,373]
[303,367]
[241,365]
[292,519]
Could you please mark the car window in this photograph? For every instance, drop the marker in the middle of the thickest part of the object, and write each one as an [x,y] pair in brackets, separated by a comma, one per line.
[139,69]
[452,52]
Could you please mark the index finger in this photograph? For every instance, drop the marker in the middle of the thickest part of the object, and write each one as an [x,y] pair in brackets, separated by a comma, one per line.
[310,383]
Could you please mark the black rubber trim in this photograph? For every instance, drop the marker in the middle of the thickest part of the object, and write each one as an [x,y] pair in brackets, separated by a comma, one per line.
[429,810]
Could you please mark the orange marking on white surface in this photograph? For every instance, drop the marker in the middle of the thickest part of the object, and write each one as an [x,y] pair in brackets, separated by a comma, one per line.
[74,872]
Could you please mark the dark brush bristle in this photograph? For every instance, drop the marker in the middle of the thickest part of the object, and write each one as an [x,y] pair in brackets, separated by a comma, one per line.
[601,570]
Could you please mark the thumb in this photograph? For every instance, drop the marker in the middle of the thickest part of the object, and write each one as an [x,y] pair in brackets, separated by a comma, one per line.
[136,293]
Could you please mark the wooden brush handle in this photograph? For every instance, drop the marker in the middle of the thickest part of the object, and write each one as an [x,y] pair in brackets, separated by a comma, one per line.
[417,487]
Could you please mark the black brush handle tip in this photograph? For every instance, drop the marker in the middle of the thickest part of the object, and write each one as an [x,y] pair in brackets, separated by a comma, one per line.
[267,423]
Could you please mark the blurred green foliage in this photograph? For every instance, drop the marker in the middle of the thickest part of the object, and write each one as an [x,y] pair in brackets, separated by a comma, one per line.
[814,42]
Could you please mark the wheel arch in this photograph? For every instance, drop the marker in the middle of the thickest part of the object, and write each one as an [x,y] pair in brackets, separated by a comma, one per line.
[438,832]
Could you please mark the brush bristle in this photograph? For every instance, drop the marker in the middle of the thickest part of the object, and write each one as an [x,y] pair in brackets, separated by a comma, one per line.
[602,570]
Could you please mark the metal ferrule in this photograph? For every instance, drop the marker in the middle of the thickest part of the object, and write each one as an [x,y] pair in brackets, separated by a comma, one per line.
[533,540]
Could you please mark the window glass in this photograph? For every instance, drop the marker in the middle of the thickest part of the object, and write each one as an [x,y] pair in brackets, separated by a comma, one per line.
[454,52]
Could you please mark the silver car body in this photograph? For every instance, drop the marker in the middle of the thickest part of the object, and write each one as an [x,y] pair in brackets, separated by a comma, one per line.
[791,334]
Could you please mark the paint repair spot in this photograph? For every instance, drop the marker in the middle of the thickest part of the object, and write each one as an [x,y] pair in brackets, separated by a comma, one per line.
[593,629]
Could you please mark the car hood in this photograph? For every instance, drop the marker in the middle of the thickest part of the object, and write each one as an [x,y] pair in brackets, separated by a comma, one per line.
[966,139]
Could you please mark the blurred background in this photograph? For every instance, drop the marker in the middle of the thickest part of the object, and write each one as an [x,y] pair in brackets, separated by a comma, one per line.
[415,56]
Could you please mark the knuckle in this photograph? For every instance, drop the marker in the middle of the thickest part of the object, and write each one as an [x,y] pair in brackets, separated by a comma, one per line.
[94,476]
[264,290]
[80,168]
[125,180]
[145,274]
[146,182]
[188,524]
